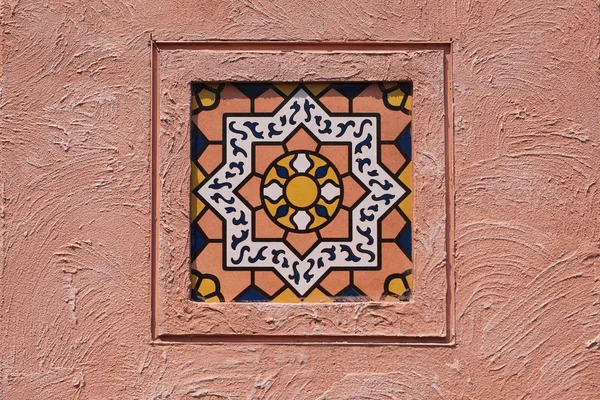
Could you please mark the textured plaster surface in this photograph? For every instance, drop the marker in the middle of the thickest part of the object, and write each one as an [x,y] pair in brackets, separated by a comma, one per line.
[75,204]
[424,316]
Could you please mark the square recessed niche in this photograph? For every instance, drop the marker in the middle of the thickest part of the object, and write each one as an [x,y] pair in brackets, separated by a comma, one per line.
[298,204]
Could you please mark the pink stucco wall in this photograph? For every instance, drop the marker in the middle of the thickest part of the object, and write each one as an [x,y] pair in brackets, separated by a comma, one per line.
[75,204]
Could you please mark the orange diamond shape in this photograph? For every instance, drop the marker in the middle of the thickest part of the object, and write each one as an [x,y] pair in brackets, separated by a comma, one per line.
[352,191]
[302,242]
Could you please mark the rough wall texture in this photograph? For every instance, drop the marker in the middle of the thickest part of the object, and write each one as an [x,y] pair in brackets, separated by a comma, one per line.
[425,315]
[75,204]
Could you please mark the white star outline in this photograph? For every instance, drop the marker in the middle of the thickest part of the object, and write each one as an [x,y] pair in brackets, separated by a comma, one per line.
[301,274]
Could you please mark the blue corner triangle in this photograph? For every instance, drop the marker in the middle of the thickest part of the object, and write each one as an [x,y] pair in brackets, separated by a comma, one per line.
[198,241]
[199,142]
[350,90]
[350,293]
[251,293]
[252,90]
[197,88]
[406,88]
[404,142]
[404,241]
[195,296]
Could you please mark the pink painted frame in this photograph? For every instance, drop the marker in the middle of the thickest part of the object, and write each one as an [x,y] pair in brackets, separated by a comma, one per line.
[428,318]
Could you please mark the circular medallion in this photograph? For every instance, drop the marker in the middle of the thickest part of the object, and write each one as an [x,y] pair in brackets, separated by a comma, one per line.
[301,191]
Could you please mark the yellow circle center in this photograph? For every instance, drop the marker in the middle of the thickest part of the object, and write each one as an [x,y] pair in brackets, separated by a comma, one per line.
[301,191]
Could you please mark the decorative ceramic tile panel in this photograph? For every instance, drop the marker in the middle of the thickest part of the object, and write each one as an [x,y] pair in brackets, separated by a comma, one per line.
[301,192]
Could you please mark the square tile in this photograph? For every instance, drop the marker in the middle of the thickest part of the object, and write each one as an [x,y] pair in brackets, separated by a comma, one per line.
[301,192]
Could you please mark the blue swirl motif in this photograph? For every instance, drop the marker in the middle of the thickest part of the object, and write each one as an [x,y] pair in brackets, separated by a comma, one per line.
[331,252]
[362,162]
[374,207]
[235,241]
[320,263]
[241,257]
[307,108]
[386,186]
[216,185]
[351,256]
[367,234]
[273,131]
[307,275]
[236,148]
[259,256]
[241,220]
[327,128]
[229,174]
[276,254]
[365,251]
[252,126]
[373,173]
[237,131]
[296,275]
[364,217]
[217,197]
[362,127]
[286,263]
[386,197]
[296,108]
[343,127]
[235,165]
[283,120]
[229,210]
[364,143]
[318,119]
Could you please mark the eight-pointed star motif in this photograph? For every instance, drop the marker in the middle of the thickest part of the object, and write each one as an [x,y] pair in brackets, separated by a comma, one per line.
[301,112]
